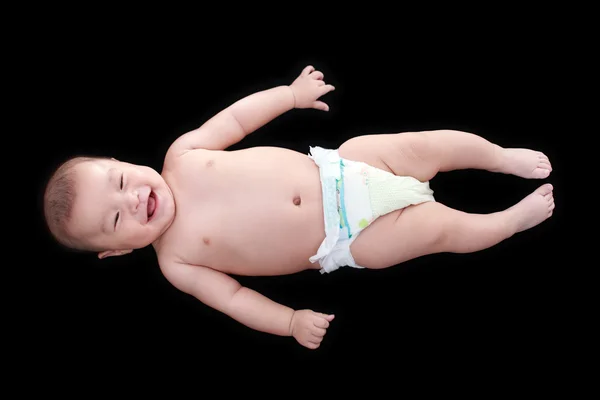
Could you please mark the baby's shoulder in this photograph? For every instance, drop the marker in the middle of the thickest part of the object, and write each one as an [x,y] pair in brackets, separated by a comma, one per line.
[188,159]
[166,250]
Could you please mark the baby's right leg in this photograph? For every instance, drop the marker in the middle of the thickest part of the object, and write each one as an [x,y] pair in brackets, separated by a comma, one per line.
[431,227]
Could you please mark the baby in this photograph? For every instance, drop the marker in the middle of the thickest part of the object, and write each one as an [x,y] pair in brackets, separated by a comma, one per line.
[213,213]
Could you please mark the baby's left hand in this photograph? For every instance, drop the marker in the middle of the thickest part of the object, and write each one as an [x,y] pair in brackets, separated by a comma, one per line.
[308,87]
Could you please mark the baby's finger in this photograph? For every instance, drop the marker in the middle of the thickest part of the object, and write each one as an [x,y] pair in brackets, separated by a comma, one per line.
[307,70]
[318,332]
[319,105]
[326,89]
[309,344]
[328,317]
[317,75]
[315,339]
[321,323]
[312,346]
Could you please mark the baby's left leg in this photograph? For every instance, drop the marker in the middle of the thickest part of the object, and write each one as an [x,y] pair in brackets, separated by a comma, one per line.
[431,227]
[423,154]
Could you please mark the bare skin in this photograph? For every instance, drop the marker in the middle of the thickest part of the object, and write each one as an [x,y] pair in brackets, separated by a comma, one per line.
[249,212]
[430,228]
[259,211]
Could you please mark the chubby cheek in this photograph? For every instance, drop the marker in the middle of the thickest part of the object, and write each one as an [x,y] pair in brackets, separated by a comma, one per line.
[137,235]
[149,175]
[142,178]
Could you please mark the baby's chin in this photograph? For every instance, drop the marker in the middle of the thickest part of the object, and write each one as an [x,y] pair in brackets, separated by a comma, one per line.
[157,228]
[165,207]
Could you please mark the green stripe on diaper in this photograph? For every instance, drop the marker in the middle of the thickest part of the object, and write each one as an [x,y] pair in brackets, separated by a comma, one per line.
[343,216]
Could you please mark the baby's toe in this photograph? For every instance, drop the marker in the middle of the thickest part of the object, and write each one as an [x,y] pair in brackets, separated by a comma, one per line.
[541,173]
[545,189]
[544,164]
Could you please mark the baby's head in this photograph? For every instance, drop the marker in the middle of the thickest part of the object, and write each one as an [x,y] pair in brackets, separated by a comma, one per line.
[107,206]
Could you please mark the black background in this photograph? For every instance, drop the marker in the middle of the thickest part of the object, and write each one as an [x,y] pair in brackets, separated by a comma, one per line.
[130,95]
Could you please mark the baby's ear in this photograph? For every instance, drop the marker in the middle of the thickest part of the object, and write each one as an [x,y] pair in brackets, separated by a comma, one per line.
[113,253]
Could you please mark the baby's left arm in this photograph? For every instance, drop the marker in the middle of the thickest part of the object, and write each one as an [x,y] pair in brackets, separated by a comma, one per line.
[254,111]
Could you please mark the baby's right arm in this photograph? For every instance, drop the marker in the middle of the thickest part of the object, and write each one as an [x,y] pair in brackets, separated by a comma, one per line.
[225,294]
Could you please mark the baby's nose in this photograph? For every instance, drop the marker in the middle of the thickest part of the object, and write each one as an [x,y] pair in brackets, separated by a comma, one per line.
[134,201]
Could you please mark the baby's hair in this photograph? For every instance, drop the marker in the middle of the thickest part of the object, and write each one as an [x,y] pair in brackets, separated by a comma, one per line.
[59,197]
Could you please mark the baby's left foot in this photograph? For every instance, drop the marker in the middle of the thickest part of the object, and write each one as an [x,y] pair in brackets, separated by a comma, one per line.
[533,209]
[526,163]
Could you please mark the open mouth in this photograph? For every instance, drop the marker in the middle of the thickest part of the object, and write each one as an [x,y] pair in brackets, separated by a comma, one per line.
[151,205]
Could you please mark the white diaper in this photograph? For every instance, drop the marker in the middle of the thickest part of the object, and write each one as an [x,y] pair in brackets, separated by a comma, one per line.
[354,195]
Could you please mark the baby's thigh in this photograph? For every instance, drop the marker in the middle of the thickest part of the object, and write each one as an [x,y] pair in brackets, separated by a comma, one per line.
[368,149]
[401,236]
[403,154]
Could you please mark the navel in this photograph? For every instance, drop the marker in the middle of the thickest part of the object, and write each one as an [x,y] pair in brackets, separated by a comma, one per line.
[297,200]
[206,241]
[210,163]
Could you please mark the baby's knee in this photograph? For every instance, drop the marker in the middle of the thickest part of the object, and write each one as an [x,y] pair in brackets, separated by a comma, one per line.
[419,145]
[436,226]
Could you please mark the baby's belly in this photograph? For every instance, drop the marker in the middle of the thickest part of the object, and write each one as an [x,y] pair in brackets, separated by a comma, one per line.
[274,239]
[266,217]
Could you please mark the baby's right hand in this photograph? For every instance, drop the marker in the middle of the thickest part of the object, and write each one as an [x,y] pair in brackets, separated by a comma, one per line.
[309,327]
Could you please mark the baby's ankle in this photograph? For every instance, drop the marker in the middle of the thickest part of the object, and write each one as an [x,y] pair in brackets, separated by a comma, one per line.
[501,162]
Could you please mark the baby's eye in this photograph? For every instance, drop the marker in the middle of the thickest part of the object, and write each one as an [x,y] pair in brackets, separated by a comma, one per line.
[116,219]
[121,181]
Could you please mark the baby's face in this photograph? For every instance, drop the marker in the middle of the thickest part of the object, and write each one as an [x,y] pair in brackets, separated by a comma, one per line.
[120,206]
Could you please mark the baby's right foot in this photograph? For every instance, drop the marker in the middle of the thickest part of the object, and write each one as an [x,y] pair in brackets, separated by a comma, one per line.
[533,209]
[526,163]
